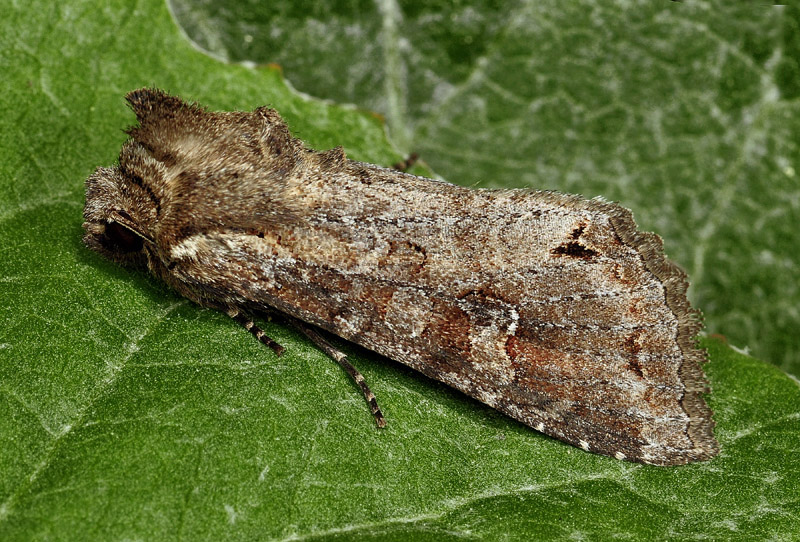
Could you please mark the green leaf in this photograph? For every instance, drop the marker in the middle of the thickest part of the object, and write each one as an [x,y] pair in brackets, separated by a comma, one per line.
[128,413]
[685,112]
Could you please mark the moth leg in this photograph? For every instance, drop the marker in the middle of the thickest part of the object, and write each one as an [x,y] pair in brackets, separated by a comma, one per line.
[407,163]
[245,319]
[341,358]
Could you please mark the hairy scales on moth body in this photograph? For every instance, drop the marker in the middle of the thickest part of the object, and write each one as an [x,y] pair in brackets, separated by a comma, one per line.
[551,308]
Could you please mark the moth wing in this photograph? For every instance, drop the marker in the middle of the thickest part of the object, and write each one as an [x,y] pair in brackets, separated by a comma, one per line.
[550,308]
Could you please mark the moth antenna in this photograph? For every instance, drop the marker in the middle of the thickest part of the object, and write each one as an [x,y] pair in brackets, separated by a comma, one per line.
[341,358]
[407,163]
[245,320]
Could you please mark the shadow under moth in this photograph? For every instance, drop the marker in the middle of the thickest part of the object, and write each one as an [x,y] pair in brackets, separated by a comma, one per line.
[551,308]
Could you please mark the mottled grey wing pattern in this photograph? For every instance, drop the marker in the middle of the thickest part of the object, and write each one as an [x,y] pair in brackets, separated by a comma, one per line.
[549,307]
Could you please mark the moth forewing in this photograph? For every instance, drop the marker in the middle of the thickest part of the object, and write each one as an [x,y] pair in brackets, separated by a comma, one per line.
[551,308]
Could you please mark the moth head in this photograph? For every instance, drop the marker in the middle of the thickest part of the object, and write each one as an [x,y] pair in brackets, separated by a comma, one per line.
[118,216]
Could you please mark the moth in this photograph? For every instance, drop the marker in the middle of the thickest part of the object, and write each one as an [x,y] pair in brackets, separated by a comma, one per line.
[551,308]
